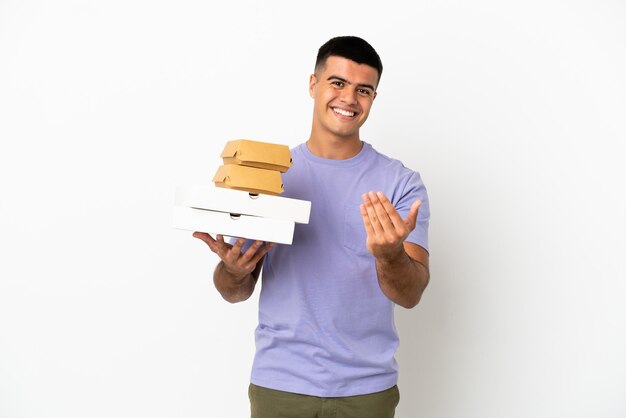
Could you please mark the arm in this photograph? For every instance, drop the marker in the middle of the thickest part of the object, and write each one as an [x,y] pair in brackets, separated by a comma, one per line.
[402,267]
[236,274]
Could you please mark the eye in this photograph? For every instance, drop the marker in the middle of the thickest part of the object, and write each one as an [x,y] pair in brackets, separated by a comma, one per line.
[365,92]
[337,83]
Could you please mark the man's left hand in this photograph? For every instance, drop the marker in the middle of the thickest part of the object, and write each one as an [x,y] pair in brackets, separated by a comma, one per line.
[386,230]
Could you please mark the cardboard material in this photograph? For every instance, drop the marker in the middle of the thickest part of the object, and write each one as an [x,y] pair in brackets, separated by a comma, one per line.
[250,179]
[257,154]
[236,201]
[250,227]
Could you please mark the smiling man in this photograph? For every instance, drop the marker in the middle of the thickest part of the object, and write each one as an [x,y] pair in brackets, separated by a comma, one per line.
[326,339]
[344,91]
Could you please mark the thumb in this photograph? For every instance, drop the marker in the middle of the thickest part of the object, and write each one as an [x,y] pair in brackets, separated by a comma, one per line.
[411,219]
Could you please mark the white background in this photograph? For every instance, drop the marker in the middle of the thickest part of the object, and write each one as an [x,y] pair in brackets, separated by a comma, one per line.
[513,112]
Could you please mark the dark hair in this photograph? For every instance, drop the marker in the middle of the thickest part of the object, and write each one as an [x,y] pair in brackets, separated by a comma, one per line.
[352,48]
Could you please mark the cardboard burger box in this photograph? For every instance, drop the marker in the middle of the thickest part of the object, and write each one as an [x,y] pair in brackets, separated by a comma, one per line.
[237,202]
[257,154]
[250,179]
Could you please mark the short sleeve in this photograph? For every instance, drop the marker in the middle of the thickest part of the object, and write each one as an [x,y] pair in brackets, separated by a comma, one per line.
[408,192]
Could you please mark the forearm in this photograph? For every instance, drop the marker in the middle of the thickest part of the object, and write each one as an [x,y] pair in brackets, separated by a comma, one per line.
[232,288]
[402,279]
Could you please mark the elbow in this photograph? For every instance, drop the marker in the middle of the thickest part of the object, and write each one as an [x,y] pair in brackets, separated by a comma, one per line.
[419,285]
[410,303]
[233,294]
[231,290]
[234,298]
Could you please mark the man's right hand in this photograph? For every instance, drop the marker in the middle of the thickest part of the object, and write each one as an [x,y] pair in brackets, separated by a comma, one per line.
[236,263]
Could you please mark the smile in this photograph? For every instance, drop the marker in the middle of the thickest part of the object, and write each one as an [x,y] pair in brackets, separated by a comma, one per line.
[343,112]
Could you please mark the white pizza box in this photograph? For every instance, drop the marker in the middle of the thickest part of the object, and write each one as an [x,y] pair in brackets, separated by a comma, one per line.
[224,223]
[244,203]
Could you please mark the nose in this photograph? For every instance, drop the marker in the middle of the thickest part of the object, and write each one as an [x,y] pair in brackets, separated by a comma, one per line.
[348,96]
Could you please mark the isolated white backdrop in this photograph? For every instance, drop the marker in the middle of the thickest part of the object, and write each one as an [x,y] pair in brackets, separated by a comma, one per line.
[513,112]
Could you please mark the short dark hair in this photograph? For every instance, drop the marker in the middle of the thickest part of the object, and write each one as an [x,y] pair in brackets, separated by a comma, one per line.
[352,48]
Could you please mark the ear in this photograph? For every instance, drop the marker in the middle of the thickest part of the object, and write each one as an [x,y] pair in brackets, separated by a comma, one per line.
[312,84]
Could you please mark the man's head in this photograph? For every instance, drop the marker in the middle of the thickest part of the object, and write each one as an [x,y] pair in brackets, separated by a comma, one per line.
[343,87]
[352,48]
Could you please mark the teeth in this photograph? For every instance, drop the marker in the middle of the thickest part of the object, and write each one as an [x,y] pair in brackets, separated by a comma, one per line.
[343,112]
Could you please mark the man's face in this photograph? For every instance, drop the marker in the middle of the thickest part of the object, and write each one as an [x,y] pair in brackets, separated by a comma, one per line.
[343,92]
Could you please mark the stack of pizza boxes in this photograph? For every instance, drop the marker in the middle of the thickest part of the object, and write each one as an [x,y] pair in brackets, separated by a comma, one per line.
[244,201]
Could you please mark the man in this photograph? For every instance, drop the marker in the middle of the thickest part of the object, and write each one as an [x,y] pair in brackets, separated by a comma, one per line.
[326,339]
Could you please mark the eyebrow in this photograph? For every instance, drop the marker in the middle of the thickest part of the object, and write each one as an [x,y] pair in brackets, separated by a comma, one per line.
[334,77]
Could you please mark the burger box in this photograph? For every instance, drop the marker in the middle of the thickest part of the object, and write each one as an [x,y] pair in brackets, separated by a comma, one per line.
[233,225]
[257,154]
[251,179]
[218,199]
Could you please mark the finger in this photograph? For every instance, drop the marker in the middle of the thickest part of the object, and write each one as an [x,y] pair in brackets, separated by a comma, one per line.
[381,212]
[411,219]
[208,240]
[371,213]
[232,255]
[220,242]
[394,216]
[366,221]
[222,246]
[261,253]
[249,254]
[202,236]
[238,245]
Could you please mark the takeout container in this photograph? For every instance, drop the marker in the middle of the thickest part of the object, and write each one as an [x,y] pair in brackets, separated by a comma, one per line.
[257,154]
[234,225]
[244,201]
[253,166]
[249,179]
[217,199]
[235,213]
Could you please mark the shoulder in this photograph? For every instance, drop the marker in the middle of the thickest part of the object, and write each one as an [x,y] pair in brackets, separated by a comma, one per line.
[386,160]
[404,184]
[393,166]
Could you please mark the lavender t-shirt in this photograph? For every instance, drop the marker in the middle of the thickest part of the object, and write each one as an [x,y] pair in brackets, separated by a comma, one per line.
[325,327]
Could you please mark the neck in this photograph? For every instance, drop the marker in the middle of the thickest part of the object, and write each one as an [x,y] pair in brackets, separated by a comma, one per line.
[334,149]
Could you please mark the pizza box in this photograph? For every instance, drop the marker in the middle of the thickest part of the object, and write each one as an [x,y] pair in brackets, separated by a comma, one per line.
[257,154]
[233,225]
[240,202]
[250,179]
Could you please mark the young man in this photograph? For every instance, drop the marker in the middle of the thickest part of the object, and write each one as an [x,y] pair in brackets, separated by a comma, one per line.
[326,339]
